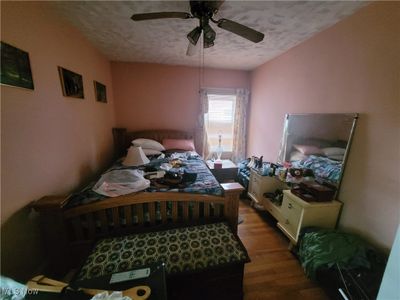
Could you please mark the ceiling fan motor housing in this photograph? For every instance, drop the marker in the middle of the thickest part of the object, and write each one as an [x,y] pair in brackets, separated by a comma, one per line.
[201,9]
[204,11]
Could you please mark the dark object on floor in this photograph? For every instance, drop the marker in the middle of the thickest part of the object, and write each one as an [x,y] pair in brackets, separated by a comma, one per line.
[342,260]
[358,283]
[156,281]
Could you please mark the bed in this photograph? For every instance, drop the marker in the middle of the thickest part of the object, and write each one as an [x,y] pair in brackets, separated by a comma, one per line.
[70,228]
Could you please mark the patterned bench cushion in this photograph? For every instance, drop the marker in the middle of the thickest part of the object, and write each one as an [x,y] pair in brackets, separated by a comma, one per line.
[185,249]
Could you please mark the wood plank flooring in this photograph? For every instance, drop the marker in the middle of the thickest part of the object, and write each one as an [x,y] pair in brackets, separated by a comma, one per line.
[273,273]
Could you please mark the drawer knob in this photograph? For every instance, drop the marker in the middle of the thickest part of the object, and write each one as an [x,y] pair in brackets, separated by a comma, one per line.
[289,205]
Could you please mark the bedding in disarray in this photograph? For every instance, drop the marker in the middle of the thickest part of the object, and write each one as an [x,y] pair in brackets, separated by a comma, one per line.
[191,163]
[323,167]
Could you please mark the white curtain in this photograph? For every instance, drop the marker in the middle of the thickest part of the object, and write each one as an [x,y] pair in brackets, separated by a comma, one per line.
[202,139]
[239,129]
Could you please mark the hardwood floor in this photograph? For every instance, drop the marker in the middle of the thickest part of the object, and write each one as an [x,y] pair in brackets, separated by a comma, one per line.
[273,273]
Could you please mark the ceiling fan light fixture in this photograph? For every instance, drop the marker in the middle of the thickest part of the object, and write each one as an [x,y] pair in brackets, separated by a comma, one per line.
[209,36]
[194,35]
[209,33]
[208,43]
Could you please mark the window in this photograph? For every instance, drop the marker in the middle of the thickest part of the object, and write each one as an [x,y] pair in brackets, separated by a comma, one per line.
[220,121]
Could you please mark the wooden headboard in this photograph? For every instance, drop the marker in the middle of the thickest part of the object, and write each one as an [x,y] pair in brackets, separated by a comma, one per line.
[123,138]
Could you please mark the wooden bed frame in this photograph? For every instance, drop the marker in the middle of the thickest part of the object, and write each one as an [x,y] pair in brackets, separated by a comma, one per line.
[69,232]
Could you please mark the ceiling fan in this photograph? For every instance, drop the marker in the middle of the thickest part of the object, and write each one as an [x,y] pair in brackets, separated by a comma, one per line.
[204,11]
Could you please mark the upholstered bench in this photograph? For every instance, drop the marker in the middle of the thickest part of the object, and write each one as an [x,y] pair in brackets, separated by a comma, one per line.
[202,262]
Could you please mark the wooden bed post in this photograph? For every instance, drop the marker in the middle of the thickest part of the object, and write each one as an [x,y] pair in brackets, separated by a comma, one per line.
[232,193]
[119,135]
[54,232]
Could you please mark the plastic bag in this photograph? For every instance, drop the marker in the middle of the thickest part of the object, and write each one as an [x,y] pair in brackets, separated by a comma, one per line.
[121,182]
[113,296]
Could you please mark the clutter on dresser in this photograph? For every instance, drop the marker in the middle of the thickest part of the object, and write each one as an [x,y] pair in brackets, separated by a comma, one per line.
[314,191]
[275,197]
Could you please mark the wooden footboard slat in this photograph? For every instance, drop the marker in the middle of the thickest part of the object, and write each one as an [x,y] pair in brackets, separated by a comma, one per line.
[185,211]
[103,221]
[77,228]
[91,226]
[152,212]
[163,210]
[217,210]
[139,213]
[115,217]
[196,210]
[206,210]
[174,211]
[128,215]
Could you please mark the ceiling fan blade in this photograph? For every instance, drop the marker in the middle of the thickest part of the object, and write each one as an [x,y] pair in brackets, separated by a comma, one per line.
[239,29]
[161,15]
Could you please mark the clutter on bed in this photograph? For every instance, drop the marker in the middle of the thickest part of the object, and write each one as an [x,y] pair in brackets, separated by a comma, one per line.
[121,182]
[179,172]
[135,157]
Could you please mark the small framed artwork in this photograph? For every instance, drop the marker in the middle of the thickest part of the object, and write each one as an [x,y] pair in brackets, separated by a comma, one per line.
[100,92]
[15,67]
[71,83]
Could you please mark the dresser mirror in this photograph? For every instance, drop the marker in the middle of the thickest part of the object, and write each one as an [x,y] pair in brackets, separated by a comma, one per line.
[319,142]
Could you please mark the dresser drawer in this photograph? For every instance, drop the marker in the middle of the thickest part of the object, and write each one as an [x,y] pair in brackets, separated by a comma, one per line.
[291,212]
[273,209]
[256,188]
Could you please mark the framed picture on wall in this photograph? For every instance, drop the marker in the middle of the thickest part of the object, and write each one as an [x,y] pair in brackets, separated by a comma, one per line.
[71,83]
[100,92]
[15,67]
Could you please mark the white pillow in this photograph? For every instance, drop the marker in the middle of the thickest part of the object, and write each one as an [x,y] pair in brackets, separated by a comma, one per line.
[148,144]
[338,157]
[330,151]
[151,152]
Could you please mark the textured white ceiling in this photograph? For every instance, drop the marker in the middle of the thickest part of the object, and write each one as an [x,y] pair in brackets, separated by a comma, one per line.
[108,26]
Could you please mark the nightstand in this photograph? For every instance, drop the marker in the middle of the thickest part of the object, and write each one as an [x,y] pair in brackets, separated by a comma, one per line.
[227,173]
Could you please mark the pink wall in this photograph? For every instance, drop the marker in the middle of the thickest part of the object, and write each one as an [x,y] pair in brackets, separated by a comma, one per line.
[50,143]
[351,67]
[150,96]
